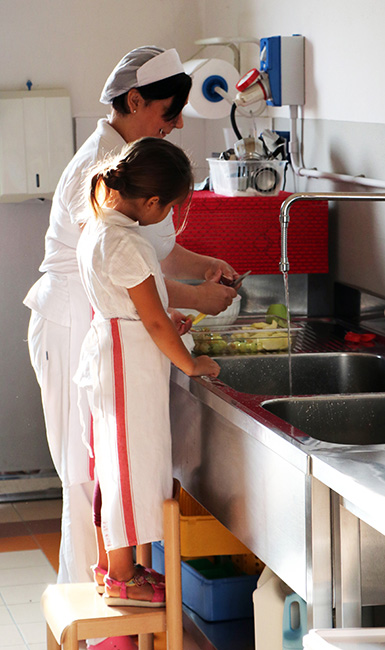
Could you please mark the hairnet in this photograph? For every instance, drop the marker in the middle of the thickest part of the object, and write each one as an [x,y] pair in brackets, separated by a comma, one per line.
[142,66]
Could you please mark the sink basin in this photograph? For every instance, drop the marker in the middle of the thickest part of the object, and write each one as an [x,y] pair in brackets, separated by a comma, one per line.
[312,374]
[349,420]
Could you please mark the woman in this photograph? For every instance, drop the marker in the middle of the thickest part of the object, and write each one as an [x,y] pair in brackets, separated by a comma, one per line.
[147,90]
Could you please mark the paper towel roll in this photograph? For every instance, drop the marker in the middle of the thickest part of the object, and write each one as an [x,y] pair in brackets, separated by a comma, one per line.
[206,74]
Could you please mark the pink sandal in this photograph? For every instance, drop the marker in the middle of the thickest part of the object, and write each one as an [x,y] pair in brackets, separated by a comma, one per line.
[158,578]
[99,575]
[138,580]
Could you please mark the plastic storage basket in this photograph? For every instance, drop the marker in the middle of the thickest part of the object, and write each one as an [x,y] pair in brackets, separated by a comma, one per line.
[247,177]
[202,534]
[216,592]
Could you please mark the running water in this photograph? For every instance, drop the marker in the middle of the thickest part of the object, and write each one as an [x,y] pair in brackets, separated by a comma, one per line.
[287,301]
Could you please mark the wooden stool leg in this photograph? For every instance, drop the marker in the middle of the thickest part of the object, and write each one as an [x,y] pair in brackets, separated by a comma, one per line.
[51,641]
[146,642]
[173,575]
[144,557]
[70,641]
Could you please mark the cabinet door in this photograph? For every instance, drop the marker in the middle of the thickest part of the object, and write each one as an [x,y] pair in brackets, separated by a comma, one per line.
[13,175]
[60,136]
[36,145]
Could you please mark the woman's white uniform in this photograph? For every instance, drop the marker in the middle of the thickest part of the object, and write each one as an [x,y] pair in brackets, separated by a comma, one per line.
[59,321]
[126,377]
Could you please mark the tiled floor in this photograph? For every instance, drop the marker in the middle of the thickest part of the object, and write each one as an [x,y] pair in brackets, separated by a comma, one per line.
[29,548]
[29,543]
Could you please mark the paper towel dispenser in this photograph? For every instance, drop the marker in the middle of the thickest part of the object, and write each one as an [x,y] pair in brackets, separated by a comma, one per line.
[36,142]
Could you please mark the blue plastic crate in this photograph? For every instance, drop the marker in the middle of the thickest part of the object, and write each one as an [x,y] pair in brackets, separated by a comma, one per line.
[213,599]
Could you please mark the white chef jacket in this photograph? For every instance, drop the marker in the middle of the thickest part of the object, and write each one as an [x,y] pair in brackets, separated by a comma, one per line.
[127,380]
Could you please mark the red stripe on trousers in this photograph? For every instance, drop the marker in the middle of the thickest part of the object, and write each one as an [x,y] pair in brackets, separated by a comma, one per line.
[122,442]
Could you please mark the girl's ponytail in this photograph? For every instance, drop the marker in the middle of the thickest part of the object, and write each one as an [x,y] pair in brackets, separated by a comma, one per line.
[147,167]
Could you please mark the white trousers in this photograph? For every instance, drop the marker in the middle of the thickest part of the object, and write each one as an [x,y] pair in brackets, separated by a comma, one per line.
[54,356]
[78,544]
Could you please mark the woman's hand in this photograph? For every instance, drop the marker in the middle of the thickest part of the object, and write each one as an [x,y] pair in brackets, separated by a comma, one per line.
[182,323]
[204,365]
[212,298]
[217,269]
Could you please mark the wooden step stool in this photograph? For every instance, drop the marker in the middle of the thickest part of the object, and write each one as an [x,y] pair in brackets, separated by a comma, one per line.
[75,612]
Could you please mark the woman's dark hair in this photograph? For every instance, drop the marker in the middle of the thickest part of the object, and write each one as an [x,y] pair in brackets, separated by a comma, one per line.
[145,168]
[177,86]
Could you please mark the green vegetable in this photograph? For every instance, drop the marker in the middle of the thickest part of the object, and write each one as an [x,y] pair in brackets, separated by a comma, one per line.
[277,312]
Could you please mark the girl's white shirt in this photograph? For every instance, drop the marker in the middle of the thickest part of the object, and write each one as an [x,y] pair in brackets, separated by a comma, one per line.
[113,256]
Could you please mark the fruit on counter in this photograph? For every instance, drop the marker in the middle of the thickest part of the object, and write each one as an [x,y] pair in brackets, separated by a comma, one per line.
[356,337]
[277,312]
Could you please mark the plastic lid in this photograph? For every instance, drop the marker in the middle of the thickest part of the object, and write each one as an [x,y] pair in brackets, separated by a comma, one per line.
[247,79]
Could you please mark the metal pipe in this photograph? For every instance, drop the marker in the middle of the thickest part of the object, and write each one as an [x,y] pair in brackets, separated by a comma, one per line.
[315,196]
[300,170]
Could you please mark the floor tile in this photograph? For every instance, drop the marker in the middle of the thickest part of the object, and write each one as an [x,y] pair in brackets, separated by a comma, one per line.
[17,543]
[34,510]
[50,545]
[14,529]
[8,513]
[25,613]
[5,616]
[22,594]
[33,632]
[29,575]
[21,559]
[9,636]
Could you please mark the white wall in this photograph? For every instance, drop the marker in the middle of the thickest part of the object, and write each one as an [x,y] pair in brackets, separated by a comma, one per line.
[344,112]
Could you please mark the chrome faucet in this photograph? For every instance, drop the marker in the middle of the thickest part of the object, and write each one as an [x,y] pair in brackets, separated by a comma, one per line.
[315,196]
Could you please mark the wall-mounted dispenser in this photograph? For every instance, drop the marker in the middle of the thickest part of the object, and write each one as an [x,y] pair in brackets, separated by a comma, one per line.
[281,79]
[36,142]
[282,58]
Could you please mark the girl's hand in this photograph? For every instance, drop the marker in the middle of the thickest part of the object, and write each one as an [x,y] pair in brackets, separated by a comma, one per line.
[182,323]
[204,365]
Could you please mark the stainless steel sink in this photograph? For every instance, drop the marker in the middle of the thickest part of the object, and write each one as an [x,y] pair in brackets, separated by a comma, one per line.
[312,374]
[346,420]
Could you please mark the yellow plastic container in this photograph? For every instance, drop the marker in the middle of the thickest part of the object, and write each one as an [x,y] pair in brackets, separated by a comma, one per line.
[203,535]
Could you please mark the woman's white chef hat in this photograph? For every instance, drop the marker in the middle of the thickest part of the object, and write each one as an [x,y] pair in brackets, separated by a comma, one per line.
[142,66]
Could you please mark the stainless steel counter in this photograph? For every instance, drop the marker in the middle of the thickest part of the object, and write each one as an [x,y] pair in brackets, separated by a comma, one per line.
[271,485]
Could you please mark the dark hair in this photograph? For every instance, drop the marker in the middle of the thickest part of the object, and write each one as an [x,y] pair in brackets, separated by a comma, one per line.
[145,168]
[177,86]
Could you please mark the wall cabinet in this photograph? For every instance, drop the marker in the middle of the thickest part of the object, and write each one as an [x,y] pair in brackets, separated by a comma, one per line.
[36,142]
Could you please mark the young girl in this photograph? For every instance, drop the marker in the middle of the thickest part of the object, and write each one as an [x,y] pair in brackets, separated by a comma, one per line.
[125,359]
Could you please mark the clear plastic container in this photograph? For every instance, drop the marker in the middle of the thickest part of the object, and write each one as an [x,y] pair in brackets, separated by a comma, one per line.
[259,337]
[247,177]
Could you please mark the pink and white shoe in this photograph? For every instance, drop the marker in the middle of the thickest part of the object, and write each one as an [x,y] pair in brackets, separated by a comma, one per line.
[117,593]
